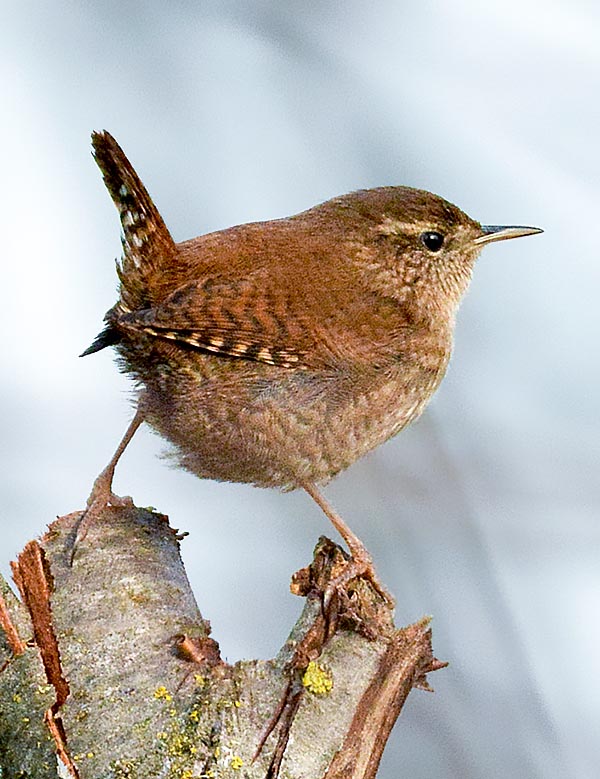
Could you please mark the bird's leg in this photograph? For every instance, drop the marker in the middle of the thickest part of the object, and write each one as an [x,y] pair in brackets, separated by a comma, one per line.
[102,490]
[102,494]
[361,562]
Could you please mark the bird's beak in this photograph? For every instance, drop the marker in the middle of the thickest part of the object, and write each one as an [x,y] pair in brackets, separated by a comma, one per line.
[503,233]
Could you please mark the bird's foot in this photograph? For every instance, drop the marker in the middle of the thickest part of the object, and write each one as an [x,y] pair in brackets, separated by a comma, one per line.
[100,497]
[360,565]
[102,494]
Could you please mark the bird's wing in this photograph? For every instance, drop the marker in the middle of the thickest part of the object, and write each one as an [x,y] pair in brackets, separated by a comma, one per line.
[230,317]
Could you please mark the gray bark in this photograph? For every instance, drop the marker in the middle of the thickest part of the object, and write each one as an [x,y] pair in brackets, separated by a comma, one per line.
[107,670]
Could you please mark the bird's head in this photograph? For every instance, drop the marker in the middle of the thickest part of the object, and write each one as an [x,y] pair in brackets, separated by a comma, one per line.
[416,247]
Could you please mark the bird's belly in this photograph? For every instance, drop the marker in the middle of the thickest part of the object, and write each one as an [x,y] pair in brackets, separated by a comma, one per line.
[277,430]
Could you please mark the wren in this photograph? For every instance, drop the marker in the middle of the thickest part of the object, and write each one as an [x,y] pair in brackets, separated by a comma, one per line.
[277,353]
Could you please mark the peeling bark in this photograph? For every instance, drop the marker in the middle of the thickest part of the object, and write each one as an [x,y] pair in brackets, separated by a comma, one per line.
[108,670]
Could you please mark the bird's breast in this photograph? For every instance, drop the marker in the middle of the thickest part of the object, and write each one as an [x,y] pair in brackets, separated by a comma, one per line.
[270,426]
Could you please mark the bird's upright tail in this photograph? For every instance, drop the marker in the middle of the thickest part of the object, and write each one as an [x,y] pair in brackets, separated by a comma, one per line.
[148,249]
[149,253]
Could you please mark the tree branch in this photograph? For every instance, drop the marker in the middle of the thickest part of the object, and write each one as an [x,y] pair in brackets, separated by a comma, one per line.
[108,669]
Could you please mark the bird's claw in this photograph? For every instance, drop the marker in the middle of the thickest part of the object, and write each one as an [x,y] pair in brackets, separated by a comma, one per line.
[360,565]
[100,497]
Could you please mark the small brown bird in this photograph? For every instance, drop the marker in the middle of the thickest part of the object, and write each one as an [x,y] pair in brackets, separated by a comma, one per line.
[278,353]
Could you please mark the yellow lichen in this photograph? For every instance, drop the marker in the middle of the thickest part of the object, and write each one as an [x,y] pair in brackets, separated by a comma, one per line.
[124,769]
[78,758]
[317,679]
[179,742]
[236,762]
[162,693]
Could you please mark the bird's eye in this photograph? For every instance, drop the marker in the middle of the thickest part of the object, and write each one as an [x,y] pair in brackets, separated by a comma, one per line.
[432,240]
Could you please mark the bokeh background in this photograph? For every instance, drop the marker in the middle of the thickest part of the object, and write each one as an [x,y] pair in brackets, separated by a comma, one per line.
[485,512]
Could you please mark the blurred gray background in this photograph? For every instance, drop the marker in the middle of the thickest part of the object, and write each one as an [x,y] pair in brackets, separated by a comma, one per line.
[485,512]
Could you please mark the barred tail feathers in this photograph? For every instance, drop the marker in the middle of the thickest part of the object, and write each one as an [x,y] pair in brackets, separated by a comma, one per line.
[147,244]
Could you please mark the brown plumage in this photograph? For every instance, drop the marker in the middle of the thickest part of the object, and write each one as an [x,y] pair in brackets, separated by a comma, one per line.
[278,353]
